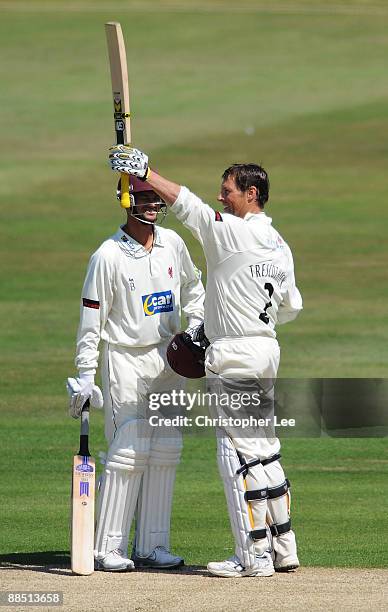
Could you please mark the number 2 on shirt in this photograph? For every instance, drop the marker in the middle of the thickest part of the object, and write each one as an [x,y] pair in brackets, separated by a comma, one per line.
[263,316]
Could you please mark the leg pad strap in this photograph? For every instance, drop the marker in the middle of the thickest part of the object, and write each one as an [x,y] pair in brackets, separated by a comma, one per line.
[277,530]
[258,534]
[282,489]
[257,494]
[244,469]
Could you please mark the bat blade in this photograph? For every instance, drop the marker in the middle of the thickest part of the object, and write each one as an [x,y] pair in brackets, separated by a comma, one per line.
[120,93]
[82,516]
[82,504]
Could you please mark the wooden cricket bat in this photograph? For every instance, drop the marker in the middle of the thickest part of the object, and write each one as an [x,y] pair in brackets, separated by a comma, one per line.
[120,92]
[82,496]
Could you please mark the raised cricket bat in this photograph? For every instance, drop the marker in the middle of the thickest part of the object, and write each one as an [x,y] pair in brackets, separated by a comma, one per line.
[82,500]
[120,92]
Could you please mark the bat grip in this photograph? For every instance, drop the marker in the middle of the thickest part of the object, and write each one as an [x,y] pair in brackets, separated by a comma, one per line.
[84,435]
[125,200]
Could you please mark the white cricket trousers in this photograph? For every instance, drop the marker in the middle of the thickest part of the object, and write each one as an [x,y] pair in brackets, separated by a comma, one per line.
[252,359]
[128,376]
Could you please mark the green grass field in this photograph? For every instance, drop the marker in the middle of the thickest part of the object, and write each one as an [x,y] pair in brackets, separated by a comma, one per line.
[299,86]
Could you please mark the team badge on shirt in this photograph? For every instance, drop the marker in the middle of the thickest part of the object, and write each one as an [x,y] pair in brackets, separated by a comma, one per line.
[155,303]
[90,303]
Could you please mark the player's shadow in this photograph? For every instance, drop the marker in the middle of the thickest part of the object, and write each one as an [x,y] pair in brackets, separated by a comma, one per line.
[192,570]
[49,561]
[58,562]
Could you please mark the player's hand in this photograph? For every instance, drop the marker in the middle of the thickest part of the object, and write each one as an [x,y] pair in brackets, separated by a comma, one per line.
[197,334]
[80,390]
[128,160]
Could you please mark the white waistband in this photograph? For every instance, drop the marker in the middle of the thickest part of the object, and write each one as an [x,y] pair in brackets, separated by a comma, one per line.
[242,339]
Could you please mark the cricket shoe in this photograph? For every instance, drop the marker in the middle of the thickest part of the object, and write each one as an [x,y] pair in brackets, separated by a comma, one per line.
[114,562]
[160,558]
[287,564]
[232,568]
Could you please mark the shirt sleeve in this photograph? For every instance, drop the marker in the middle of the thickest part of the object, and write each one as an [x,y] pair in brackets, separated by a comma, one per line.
[96,302]
[291,304]
[200,219]
[219,234]
[192,290]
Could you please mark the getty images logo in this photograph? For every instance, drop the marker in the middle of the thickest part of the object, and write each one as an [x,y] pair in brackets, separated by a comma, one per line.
[155,303]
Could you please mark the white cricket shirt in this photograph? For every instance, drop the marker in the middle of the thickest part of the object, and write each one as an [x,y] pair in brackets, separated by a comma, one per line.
[250,272]
[133,298]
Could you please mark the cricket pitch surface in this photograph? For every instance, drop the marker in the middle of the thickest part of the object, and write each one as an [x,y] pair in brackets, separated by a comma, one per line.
[193,589]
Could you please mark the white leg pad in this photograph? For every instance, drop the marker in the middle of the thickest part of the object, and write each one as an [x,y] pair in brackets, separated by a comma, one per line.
[228,465]
[256,479]
[284,545]
[126,461]
[155,499]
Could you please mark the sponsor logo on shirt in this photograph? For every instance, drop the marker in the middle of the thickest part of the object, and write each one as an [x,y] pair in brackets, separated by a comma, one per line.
[155,303]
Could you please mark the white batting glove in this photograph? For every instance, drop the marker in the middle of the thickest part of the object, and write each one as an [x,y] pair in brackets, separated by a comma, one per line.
[80,390]
[124,158]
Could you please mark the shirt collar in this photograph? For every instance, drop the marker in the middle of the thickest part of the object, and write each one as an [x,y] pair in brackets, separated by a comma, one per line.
[134,246]
[261,216]
[158,239]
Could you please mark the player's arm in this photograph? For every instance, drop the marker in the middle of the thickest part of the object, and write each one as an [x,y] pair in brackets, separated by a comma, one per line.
[165,188]
[96,300]
[291,303]
[192,290]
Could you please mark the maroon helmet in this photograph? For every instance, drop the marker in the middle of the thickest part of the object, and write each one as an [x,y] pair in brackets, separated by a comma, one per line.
[136,185]
[185,357]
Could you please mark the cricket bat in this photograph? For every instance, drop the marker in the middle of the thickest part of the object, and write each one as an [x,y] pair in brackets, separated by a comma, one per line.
[120,92]
[82,500]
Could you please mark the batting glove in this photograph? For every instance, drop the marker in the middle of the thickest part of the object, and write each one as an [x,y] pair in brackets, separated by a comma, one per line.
[80,390]
[127,160]
[197,334]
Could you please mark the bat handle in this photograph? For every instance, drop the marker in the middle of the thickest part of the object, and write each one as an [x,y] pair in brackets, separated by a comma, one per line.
[84,434]
[125,200]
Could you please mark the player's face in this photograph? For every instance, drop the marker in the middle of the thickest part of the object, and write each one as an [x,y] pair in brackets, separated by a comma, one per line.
[148,205]
[233,200]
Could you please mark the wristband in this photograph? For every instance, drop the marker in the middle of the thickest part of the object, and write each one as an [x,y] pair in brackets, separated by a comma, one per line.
[145,177]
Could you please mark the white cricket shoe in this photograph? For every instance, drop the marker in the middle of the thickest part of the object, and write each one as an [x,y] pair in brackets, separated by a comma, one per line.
[287,564]
[160,558]
[114,562]
[232,568]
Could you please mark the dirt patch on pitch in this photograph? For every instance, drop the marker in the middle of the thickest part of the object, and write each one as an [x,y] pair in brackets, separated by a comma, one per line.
[192,589]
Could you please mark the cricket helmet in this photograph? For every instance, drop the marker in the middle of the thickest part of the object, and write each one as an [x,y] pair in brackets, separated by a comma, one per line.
[138,186]
[185,357]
